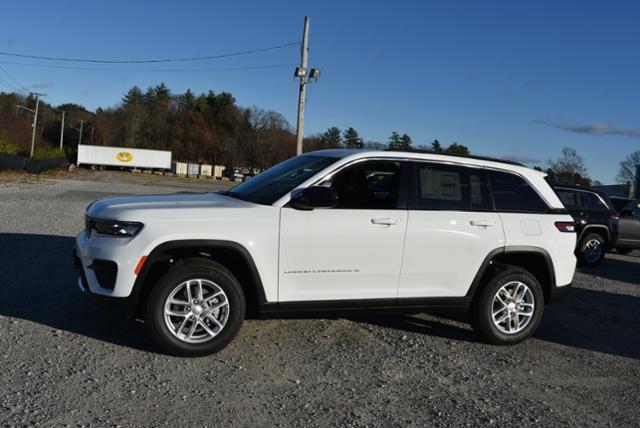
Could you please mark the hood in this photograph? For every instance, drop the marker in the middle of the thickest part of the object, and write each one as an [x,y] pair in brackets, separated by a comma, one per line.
[126,207]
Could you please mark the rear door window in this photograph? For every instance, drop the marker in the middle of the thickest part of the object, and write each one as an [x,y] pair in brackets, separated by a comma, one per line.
[451,188]
[570,198]
[511,193]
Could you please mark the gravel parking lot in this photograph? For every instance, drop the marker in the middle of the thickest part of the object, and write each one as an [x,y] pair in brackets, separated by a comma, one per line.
[65,362]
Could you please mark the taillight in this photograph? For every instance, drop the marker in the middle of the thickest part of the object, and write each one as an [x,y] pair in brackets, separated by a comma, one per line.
[566,226]
[614,216]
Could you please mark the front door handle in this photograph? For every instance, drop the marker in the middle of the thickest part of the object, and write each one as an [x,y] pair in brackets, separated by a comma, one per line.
[481,223]
[385,221]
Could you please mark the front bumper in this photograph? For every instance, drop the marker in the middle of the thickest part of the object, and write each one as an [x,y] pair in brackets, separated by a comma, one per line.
[108,263]
[122,305]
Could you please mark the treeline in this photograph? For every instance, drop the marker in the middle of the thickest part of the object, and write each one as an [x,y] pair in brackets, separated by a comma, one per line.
[206,128]
[333,138]
[209,127]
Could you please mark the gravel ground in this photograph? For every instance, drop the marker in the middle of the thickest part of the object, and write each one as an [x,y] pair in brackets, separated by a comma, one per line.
[65,362]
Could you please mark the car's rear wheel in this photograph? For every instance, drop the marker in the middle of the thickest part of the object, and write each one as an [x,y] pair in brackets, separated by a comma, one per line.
[509,308]
[195,309]
[624,250]
[591,250]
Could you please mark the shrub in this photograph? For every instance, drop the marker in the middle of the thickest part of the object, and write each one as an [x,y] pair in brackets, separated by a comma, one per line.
[40,153]
[7,147]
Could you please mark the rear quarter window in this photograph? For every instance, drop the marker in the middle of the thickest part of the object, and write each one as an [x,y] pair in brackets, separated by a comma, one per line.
[511,193]
[593,202]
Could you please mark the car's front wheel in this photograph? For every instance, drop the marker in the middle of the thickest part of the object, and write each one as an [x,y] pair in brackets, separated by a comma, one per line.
[195,309]
[510,306]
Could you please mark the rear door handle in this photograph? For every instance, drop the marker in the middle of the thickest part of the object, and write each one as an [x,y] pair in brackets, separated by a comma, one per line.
[386,221]
[481,223]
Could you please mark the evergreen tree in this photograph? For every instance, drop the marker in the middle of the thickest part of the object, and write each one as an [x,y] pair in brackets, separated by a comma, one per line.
[436,146]
[405,142]
[394,141]
[352,140]
[134,96]
[331,138]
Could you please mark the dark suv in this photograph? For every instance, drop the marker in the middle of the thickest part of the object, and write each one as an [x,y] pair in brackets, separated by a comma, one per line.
[629,228]
[596,221]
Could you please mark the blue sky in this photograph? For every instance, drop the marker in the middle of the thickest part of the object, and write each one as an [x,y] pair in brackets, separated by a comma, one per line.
[518,79]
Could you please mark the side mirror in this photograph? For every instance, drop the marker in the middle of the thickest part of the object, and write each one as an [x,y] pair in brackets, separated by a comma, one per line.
[314,197]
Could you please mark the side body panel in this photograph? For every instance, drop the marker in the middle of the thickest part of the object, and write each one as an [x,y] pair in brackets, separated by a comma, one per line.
[629,230]
[538,230]
[444,251]
[338,254]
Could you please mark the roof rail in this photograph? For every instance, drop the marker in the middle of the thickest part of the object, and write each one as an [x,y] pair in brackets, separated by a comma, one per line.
[486,158]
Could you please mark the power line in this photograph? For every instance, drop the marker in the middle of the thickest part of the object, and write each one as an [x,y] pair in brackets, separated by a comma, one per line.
[20,86]
[147,61]
[7,84]
[71,67]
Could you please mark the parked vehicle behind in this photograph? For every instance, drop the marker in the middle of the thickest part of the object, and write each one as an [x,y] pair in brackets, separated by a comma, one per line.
[596,221]
[234,174]
[629,229]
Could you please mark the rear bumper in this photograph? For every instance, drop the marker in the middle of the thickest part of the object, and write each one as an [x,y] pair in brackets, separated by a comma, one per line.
[558,293]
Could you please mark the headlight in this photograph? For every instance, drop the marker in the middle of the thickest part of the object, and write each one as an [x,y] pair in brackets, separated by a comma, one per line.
[113,227]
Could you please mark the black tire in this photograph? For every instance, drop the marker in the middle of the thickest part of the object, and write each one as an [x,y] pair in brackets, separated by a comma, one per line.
[624,250]
[483,306]
[197,268]
[591,256]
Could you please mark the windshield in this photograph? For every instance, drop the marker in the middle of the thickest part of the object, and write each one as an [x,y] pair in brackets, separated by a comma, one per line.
[272,184]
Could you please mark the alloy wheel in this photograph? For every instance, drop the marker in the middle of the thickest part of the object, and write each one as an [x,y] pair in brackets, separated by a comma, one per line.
[592,250]
[196,310]
[513,307]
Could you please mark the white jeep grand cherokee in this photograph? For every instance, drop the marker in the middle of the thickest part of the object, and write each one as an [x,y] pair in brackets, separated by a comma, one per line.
[335,230]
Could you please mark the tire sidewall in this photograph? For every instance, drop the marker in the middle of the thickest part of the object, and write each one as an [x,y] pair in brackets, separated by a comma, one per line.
[197,270]
[485,306]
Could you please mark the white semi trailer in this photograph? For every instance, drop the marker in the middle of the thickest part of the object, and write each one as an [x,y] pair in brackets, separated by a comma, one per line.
[123,157]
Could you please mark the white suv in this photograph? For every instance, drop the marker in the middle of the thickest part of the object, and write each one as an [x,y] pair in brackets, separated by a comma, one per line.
[335,230]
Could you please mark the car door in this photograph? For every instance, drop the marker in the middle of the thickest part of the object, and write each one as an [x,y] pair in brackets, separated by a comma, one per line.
[629,228]
[352,251]
[450,232]
[573,203]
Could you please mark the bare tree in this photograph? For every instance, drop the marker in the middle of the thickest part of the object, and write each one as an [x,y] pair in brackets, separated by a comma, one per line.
[569,168]
[627,171]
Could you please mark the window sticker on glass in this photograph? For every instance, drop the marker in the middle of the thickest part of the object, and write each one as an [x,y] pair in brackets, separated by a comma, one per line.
[440,185]
[476,190]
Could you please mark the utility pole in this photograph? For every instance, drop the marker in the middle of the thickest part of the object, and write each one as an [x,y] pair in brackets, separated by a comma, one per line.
[80,131]
[35,121]
[301,73]
[62,128]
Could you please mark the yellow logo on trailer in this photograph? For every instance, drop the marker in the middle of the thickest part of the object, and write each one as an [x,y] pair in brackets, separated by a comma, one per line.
[124,157]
